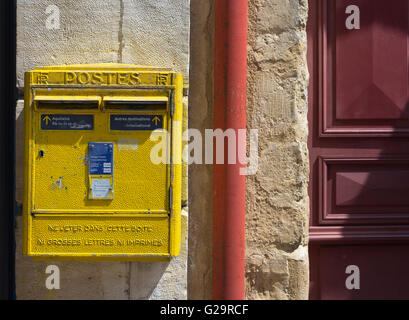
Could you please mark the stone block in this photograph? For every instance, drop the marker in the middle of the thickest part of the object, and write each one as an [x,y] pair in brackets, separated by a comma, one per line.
[88,32]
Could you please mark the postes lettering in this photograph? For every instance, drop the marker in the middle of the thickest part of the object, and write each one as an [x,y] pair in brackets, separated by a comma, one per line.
[119,78]
[102,78]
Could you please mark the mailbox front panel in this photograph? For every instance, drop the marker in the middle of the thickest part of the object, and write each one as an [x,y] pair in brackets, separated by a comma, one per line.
[61,180]
[101,180]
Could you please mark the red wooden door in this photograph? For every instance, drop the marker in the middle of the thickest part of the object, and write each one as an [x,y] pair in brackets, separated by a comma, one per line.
[359,149]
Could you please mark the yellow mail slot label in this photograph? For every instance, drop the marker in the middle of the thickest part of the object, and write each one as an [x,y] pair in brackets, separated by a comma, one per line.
[100,235]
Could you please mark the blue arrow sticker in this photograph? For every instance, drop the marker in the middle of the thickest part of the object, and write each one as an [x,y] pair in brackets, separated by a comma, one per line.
[136,122]
[67,122]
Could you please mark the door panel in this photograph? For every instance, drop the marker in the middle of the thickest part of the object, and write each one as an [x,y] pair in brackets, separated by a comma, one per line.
[364,71]
[364,191]
[371,63]
[359,147]
[379,279]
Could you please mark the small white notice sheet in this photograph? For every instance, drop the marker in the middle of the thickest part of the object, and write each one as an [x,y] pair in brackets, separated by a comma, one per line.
[101,188]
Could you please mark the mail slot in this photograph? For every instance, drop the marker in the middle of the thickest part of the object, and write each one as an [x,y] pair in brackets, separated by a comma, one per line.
[102,163]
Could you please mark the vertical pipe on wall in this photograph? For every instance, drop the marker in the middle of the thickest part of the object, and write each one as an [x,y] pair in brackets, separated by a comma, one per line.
[229,184]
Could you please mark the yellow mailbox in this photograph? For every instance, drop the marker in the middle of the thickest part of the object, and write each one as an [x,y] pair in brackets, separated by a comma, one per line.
[102,163]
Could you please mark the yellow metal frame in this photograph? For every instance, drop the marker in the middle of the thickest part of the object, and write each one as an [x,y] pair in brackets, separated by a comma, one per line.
[97,84]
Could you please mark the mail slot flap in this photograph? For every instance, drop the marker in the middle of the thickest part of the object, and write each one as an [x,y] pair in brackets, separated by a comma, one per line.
[71,102]
[135,103]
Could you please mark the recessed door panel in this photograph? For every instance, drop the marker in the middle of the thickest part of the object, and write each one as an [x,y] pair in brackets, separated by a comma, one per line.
[364,67]
[370,269]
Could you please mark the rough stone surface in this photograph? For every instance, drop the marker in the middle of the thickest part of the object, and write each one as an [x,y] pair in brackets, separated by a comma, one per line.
[88,33]
[276,196]
[144,32]
[277,205]
[158,37]
[137,32]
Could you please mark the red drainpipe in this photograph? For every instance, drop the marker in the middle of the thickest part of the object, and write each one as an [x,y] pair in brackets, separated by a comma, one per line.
[229,186]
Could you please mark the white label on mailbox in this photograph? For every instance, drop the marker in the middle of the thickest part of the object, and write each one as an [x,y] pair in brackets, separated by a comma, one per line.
[101,188]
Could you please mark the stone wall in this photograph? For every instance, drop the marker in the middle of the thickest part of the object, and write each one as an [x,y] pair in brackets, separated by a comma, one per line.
[277,212]
[126,31]
[157,33]
[277,204]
